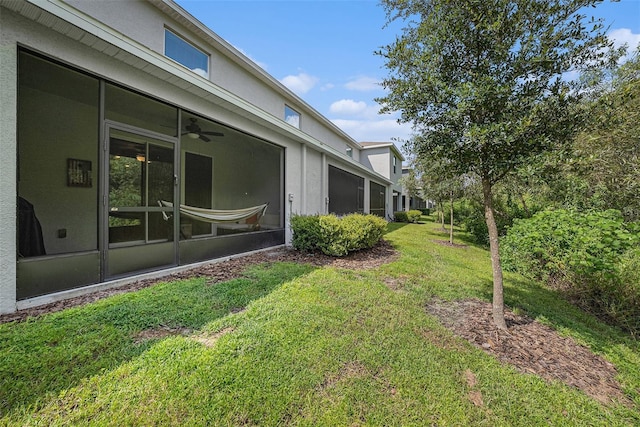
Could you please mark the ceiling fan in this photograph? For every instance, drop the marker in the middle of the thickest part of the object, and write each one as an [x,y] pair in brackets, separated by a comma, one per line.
[194,131]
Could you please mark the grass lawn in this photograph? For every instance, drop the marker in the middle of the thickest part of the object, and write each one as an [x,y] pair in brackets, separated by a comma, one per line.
[313,347]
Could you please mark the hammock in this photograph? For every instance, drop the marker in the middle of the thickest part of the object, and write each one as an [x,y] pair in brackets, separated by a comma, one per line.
[218,215]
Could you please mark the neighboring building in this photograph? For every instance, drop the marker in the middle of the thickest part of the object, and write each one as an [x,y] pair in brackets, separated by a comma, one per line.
[413,201]
[386,159]
[111,117]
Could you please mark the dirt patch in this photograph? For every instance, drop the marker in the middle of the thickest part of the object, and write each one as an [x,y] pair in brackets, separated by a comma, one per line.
[394,283]
[380,254]
[448,243]
[348,371]
[208,340]
[159,333]
[531,347]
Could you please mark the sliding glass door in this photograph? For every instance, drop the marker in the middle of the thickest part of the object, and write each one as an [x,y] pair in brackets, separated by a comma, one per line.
[140,176]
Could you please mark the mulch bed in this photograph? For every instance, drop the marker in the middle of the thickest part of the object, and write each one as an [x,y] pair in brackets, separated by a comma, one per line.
[528,345]
[531,347]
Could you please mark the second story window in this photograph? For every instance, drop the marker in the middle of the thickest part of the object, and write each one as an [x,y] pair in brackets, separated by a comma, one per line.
[349,151]
[186,54]
[395,160]
[291,116]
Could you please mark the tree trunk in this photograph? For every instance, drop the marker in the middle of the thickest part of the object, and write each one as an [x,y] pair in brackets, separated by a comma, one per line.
[442,215]
[524,206]
[494,246]
[451,220]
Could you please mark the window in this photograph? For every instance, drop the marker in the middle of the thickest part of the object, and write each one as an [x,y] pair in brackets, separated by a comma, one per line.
[291,116]
[395,160]
[186,54]
[349,151]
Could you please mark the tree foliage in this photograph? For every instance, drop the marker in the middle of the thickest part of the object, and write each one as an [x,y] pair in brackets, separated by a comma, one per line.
[607,154]
[600,168]
[438,182]
[481,82]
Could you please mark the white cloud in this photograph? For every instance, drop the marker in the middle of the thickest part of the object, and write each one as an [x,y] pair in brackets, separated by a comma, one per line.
[348,107]
[363,84]
[359,109]
[201,72]
[300,84]
[621,36]
[293,120]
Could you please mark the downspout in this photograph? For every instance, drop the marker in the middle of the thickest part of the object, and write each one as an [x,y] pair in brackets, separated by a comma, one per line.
[367,196]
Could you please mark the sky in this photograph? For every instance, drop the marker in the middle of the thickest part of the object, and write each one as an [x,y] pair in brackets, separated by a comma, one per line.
[323,50]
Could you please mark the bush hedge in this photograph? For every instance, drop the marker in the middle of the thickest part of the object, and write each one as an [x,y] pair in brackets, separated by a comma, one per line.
[469,214]
[400,216]
[336,236]
[307,233]
[594,256]
[412,216]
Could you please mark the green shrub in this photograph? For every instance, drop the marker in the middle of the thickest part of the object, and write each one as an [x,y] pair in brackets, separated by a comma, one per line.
[333,239]
[365,231]
[626,310]
[414,216]
[593,255]
[469,214]
[567,243]
[336,236]
[407,216]
[426,211]
[307,233]
[401,216]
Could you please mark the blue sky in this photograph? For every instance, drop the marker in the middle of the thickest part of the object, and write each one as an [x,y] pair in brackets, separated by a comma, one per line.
[323,50]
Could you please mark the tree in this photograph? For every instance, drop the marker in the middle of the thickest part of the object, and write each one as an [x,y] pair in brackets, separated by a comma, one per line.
[600,169]
[409,183]
[438,184]
[607,154]
[482,83]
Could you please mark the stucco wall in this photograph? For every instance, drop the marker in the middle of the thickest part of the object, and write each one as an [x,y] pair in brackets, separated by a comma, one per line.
[314,187]
[141,21]
[378,159]
[145,23]
[8,70]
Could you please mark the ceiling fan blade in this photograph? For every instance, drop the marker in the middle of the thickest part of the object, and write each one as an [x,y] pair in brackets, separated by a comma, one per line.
[213,133]
[204,138]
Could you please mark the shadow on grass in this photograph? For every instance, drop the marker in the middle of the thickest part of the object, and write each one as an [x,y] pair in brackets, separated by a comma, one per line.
[42,357]
[393,226]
